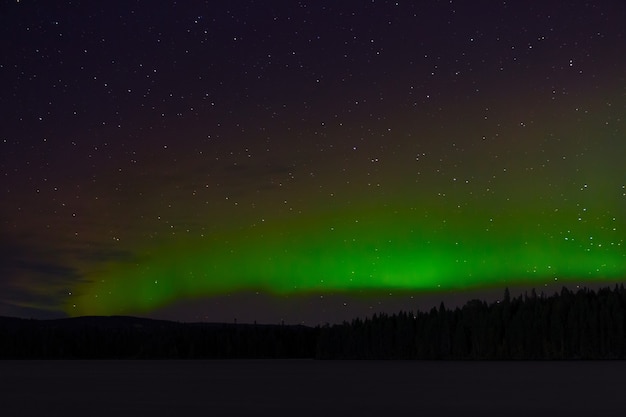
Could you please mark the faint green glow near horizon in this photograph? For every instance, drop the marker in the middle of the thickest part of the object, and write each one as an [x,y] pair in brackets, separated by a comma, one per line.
[383,249]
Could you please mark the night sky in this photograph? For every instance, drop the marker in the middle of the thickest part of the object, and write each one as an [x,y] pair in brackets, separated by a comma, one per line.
[306,161]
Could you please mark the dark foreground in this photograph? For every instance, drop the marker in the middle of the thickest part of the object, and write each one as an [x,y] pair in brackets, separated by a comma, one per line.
[311,388]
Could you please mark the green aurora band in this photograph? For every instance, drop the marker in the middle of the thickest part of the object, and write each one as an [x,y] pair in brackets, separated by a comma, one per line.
[377,249]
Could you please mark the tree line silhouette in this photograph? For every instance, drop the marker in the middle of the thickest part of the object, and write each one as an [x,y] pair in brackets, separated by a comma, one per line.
[570,325]
[584,324]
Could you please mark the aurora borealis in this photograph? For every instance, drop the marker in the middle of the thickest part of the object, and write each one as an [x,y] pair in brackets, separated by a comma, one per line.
[158,155]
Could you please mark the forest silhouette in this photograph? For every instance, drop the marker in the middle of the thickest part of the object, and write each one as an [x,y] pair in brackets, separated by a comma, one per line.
[569,325]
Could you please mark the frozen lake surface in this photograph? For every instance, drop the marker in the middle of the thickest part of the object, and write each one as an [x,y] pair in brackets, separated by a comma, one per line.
[311,388]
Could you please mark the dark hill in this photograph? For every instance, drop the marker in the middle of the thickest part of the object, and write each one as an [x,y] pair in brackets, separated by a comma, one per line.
[125,337]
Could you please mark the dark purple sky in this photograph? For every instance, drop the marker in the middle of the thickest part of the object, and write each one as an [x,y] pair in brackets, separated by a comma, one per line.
[306,161]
